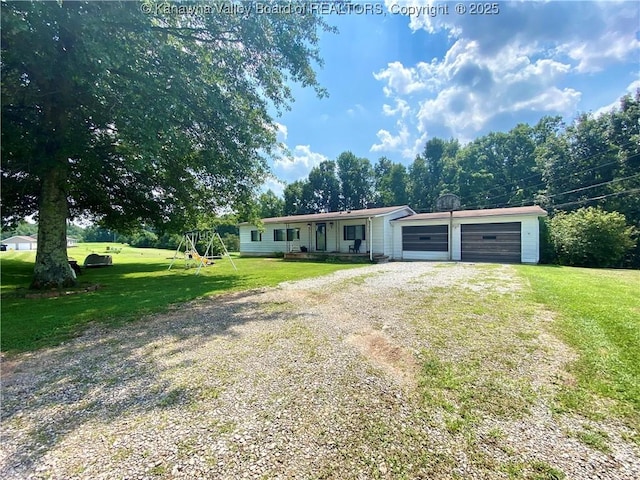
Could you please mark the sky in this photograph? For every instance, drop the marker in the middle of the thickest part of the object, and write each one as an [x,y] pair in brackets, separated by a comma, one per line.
[401,72]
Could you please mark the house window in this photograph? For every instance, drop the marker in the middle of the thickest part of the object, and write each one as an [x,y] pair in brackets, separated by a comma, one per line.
[354,232]
[256,236]
[278,235]
[293,234]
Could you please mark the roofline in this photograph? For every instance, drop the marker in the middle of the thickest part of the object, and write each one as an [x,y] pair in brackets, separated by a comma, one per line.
[535,210]
[332,216]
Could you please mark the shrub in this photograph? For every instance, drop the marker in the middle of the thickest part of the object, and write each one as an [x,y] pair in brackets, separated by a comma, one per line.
[547,251]
[591,237]
[231,241]
[144,239]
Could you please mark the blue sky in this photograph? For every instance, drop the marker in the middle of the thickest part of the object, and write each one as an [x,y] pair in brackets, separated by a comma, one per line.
[395,80]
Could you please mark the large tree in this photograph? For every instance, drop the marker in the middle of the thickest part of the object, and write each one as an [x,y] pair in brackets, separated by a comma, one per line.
[270,205]
[427,173]
[322,188]
[391,181]
[356,181]
[139,111]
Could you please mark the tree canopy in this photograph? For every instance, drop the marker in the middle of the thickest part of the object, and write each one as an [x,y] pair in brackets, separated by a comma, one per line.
[124,112]
[595,160]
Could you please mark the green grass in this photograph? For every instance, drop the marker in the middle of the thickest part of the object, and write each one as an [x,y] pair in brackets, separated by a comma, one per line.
[598,314]
[138,283]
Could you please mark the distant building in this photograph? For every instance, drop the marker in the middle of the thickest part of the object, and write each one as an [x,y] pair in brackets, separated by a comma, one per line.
[24,242]
[20,242]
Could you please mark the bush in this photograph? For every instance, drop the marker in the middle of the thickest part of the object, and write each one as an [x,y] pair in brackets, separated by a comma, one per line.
[144,239]
[591,237]
[231,241]
[547,251]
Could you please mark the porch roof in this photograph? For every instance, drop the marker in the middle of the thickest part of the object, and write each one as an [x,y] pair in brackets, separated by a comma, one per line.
[335,216]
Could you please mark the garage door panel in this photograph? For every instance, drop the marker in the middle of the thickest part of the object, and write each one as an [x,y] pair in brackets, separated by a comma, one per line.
[425,238]
[491,242]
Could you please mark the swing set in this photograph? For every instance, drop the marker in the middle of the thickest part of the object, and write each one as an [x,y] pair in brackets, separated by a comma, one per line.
[191,255]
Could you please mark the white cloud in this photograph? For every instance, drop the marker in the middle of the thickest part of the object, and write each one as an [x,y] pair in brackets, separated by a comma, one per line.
[402,108]
[465,90]
[298,163]
[402,142]
[514,64]
[281,132]
[389,142]
[400,80]
[631,88]
[275,185]
[356,110]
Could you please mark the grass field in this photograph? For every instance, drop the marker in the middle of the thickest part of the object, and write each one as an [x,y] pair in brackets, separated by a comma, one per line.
[138,283]
[598,314]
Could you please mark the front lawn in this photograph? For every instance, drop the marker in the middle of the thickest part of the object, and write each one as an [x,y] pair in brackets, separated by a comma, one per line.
[598,314]
[138,283]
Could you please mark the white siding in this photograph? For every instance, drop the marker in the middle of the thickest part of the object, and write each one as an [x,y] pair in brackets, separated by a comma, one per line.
[388,239]
[268,246]
[377,246]
[530,238]
[456,242]
[381,237]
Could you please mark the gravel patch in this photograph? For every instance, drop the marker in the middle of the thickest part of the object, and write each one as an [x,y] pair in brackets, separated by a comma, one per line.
[313,379]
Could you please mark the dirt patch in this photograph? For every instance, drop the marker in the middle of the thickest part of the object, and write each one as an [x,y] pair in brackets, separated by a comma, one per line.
[385,353]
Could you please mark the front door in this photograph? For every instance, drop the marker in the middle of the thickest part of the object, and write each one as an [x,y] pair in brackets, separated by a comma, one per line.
[321,237]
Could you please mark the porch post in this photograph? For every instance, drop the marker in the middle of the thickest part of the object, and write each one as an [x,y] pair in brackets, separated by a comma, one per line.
[370,239]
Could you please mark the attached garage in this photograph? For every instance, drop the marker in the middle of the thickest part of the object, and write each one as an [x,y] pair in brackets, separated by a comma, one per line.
[491,242]
[500,235]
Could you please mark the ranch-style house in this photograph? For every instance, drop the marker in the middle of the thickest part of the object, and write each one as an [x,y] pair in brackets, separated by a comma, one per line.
[508,235]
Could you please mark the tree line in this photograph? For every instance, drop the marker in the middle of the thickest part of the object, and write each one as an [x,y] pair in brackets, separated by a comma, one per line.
[593,161]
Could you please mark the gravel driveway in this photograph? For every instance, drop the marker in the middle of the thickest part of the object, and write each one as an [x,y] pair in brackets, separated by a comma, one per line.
[312,379]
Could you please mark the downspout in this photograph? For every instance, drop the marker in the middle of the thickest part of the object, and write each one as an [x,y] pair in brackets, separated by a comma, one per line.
[370,239]
[450,235]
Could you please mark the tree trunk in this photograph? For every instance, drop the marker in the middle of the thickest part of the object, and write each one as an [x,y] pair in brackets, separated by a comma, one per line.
[52,268]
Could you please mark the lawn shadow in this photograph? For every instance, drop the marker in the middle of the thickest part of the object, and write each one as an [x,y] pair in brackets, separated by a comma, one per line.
[107,375]
[126,292]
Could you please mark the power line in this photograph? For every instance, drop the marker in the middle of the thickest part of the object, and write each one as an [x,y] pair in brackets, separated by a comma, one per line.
[601,197]
[593,186]
[623,145]
[564,176]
